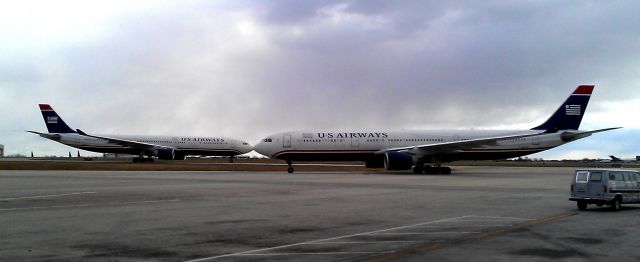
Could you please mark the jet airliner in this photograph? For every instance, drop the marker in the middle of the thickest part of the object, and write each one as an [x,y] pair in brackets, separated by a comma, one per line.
[162,147]
[425,151]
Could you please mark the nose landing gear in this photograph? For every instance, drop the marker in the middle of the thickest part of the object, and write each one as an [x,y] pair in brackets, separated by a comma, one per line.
[290,169]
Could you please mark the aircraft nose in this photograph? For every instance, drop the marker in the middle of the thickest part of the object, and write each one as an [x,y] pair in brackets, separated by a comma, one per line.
[262,149]
[247,148]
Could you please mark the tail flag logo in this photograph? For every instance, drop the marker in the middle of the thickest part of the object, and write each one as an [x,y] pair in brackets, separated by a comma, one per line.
[52,120]
[572,110]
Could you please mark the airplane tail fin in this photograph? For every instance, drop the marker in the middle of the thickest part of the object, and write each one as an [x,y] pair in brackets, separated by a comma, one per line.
[569,114]
[54,122]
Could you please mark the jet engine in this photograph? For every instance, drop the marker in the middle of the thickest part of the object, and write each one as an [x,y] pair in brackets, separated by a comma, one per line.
[397,161]
[166,153]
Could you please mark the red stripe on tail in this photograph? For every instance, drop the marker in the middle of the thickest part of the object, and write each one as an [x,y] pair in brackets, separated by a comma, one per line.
[45,107]
[583,90]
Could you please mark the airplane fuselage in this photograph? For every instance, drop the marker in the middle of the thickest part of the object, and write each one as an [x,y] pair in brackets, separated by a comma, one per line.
[365,146]
[186,145]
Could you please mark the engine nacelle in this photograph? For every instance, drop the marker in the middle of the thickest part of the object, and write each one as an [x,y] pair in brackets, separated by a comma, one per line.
[166,153]
[397,161]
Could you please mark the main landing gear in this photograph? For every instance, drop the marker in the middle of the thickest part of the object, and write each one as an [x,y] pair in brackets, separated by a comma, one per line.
[427,169]
[143,160]
[290,169]
[230,159]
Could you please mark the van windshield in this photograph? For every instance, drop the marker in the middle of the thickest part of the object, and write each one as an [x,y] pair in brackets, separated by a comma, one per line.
[595,177]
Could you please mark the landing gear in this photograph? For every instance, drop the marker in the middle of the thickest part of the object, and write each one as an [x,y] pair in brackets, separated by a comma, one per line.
[290,169]
[142,159]
[418,168]
[230,159]
[432,170]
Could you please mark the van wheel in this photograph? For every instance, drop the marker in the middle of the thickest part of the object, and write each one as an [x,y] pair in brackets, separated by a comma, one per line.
[582,205]
[616,204]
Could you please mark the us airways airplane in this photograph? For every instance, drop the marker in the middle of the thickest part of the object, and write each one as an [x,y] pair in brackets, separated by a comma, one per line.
[425,151]
[162,147]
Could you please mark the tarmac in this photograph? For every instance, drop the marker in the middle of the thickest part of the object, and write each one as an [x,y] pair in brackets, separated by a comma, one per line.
[477,213]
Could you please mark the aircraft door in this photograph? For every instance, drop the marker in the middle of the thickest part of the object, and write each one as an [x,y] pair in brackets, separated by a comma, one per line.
[286,140]
[355,142]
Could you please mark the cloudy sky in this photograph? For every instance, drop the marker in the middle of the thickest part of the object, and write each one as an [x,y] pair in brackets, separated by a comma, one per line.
[247,69]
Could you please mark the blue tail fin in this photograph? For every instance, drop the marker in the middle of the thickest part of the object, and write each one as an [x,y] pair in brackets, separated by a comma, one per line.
[54,123]
[569,115]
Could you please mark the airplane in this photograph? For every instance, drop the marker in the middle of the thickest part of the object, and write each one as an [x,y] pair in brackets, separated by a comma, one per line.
[162,147]
[615,159]
[416,150]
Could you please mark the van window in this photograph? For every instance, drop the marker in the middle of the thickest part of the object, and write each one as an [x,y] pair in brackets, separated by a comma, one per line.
[616,176]
[631,176]
[595,177]
[582,176]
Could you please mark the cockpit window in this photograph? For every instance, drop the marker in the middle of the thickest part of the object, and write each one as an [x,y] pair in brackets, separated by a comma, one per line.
[267,140]
[245,143]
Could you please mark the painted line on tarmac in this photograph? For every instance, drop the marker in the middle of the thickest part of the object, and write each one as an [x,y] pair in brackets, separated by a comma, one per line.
[493,218]
[432,246]
[313,253]
[422,233]
[45,196]
[365,242]
[320,240]
[90,205]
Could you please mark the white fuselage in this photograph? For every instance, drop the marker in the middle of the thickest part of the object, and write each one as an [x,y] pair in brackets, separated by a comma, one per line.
[187,145]
[363,146]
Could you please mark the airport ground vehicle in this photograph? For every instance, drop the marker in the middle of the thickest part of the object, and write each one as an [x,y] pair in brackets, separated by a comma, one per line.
[612,187]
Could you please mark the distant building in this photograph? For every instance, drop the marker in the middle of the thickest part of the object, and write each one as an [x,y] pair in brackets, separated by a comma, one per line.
[1,150]
[637,158]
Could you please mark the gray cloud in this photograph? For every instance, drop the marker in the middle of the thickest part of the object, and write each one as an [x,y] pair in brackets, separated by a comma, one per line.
[247,69]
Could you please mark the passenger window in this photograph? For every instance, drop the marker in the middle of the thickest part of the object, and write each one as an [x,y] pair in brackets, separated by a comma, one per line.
[582,176]
[616,176]
[595,177]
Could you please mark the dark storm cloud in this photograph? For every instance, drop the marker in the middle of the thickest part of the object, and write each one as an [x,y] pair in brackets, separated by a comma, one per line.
[454,63]
[247,69]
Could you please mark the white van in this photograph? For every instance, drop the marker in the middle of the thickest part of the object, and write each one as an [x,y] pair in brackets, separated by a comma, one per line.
[612,187]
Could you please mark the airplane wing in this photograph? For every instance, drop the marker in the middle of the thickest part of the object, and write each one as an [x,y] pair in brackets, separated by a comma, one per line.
[46,135]
[451,147]
[147,147]
[577,134]
[456,146]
